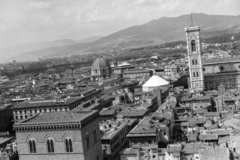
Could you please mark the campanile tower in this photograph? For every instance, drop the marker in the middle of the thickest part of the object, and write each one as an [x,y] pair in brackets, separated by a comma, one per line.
[194,58]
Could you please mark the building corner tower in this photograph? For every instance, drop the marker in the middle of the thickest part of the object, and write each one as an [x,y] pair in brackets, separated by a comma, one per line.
[194,58]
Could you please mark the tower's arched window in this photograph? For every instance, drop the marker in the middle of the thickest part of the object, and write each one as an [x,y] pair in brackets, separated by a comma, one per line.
[193,62]
[196,62]
[32,146]
[197,74]
[68,143]
[193,74]
[50,145]
[193,45]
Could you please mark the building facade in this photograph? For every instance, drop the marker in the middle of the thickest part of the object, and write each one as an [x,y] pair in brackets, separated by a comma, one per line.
[224,71]
[60,136]
[114,138]
[194,58]
[28,109]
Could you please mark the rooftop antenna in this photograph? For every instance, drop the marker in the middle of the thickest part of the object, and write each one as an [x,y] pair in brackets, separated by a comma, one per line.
[191,19]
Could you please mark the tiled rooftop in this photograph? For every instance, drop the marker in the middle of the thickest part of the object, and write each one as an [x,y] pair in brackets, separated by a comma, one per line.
[215,154]
[110,128]
[46,103]
[53,117]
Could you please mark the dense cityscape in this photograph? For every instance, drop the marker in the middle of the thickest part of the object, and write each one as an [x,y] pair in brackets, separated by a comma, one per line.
[120,80]
[155,108]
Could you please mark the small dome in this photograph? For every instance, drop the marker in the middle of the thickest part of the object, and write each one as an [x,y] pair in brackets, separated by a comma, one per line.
[99,63]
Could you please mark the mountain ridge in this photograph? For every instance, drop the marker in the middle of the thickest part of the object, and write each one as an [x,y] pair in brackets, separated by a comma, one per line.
[162,30]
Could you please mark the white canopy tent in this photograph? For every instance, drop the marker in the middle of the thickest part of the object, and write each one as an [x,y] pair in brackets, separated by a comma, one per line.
[154,82]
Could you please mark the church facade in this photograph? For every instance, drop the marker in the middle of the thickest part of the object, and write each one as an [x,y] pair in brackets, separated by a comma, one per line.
[208,74]
[224,71]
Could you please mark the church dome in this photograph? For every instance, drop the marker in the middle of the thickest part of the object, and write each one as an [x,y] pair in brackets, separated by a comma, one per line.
[100,63]
[101,68]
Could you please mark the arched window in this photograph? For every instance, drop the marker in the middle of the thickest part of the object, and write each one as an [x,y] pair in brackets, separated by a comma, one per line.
[193,45]
[32,146]
[196,62]
[50,145]
[68,143]
[95,135]
[193,74]
[193,62]
[87,140]
[197,74]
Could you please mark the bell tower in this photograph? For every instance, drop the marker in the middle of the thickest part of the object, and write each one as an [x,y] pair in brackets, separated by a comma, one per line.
[194,58]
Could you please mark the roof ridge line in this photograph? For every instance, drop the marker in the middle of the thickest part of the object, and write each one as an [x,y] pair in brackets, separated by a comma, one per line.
[74,116]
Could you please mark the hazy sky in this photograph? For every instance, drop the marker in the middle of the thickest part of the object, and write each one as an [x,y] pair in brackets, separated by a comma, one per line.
[26,21]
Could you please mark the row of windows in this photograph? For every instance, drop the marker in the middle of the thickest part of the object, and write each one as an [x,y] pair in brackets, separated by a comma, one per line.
[20,117]
[124,131]
[50,145]
[135,74]
[40,110]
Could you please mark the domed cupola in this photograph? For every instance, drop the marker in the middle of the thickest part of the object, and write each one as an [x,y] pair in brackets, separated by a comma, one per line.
[100,68]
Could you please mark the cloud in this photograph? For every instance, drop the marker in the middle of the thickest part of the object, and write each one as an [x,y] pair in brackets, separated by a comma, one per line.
[39,5]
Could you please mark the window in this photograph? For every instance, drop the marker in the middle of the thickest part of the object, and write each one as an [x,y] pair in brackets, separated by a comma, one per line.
[88,140]
[68,143]
[196,62]
[95,135]
[197,74]
[221,68]
[25,116]
[193,45]
[193,62]
[50,146]
[32,146]
[193,74]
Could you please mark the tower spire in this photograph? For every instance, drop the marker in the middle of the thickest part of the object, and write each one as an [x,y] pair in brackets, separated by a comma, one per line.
[191,19]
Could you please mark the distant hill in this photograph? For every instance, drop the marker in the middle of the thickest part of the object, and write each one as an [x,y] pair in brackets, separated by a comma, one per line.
[90,39]
[13,51]
[163,30]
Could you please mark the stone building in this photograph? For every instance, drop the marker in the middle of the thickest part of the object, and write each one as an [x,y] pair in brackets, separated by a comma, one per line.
[28,109]
[224,71]
[194,58]
[114,138]
[60,136]
[101,68]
